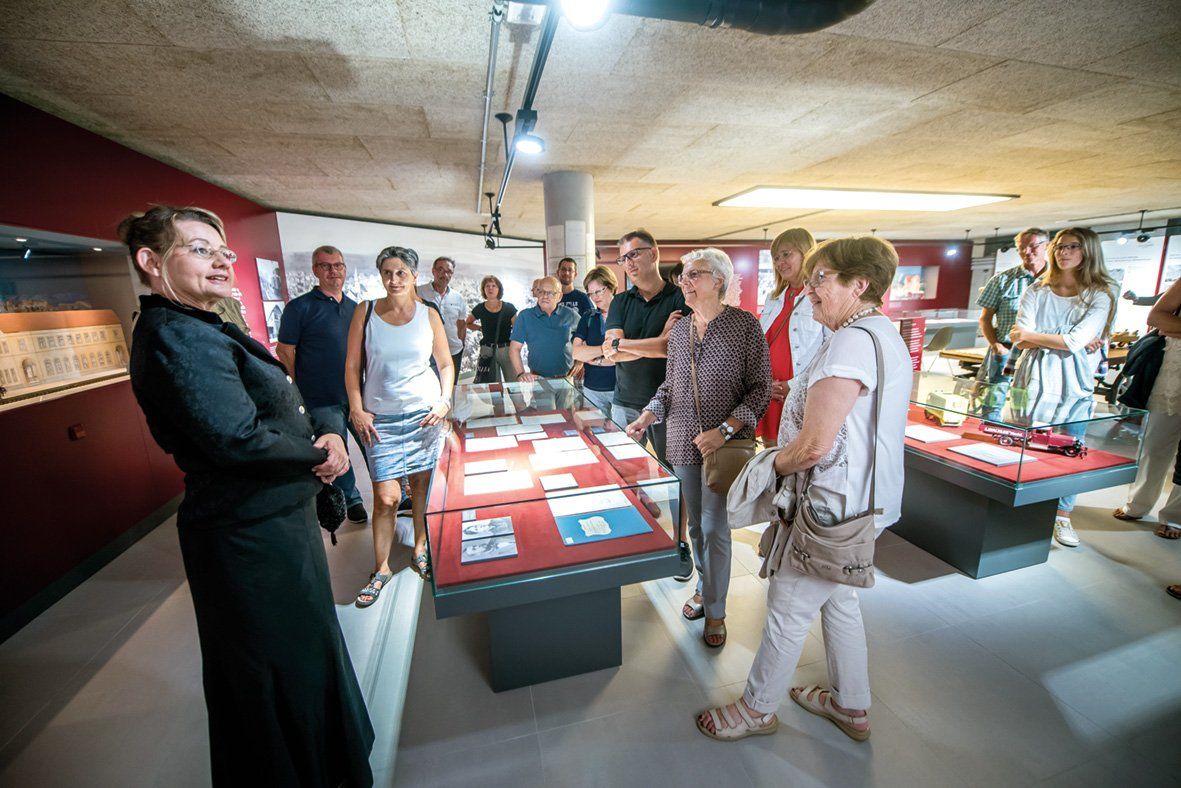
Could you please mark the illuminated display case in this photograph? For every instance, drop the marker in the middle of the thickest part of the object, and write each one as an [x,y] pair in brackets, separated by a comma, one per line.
[50,353]
[540,509]
[985,467]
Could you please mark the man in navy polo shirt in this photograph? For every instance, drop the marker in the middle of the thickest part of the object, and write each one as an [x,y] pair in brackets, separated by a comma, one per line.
[571,296]
[313,338]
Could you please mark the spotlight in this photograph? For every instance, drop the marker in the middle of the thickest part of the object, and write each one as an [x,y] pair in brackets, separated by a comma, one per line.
[951,251]
[28,253]
[585,14]
[530,144]
[1142,238]
[97,248]
[1123,239]
[20,240]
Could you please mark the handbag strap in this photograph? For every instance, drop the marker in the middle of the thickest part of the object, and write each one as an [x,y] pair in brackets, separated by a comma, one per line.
[873,433]
[693,372]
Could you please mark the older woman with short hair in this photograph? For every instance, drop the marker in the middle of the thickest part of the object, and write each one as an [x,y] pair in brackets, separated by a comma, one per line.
[829,431]
[545,329]
[399,407]
[793,336]
[717,385]
[598,379]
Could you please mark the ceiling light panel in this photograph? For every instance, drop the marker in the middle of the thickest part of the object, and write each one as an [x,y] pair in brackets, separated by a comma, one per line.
[857,199]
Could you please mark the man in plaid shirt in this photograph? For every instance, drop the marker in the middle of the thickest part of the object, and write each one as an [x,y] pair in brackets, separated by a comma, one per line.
[999,300]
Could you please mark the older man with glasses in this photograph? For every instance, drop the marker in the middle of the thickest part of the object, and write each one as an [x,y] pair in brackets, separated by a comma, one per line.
[545,329]
[638,323]
[313,339]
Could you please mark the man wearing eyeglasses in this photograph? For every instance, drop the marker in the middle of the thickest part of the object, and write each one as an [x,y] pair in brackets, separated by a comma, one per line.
[452,308]
[637,326]
[313,338]
[998,301]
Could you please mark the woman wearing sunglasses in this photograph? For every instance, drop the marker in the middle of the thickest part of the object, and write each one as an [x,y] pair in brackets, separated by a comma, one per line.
[1061,322]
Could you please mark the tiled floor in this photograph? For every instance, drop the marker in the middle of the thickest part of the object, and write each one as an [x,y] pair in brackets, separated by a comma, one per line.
[1062,674]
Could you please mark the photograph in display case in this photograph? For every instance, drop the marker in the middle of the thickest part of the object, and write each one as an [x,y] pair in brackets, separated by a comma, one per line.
[483,529]
[489,549]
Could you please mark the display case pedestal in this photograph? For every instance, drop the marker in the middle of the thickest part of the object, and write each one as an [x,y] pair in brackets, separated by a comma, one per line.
[976,534]
[555,638]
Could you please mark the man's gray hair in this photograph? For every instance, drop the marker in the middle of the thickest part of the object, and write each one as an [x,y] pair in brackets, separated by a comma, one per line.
[407,256]
[719,265]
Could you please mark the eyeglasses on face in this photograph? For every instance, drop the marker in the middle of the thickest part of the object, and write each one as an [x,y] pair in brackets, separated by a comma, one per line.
[203,252]
[330,266]
[1029,247]
[596,291]
[784,254]
[546,292]
[693,275]
[819,277]
[1068,247]
[633,255]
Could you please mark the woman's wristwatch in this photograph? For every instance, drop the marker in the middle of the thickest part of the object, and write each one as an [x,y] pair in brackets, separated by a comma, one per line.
[727,430]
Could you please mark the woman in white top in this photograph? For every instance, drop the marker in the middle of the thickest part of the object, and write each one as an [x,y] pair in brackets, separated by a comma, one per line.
[399,405]
[793,336]
[1062,321]
[829,430]
[1162,436]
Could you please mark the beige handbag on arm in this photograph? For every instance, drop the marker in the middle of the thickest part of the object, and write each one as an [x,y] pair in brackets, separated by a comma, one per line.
[720,468]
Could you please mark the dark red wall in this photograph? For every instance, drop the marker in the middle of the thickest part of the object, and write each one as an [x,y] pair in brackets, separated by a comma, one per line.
[62,178]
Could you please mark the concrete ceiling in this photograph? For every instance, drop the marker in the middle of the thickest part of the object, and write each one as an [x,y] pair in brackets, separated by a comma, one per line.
[373,108]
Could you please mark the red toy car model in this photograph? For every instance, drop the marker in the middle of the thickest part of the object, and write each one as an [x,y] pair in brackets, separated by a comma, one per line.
[1040,439]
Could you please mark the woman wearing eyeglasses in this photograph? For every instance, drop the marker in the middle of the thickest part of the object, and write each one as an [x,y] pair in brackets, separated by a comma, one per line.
[598,381]
[793,336]
[545,330]
[283,701]
[717,385]
[1060,322]
[398,405]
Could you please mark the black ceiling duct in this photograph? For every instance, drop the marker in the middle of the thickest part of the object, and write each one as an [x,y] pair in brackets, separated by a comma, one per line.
[770,17]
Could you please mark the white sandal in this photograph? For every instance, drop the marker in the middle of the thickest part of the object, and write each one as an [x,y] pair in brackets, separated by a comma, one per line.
[734,722]
[808,699]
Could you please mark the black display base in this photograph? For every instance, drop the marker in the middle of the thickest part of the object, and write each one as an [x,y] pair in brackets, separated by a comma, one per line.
[555,638]
[976,534]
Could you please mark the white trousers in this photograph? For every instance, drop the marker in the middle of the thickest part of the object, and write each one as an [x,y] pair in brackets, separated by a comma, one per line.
[793,600]
[1161,438]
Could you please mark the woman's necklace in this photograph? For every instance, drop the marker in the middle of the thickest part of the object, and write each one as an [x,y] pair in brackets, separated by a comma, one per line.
[853,318]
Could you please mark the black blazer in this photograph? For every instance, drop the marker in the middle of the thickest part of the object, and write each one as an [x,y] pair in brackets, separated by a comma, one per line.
[227,411]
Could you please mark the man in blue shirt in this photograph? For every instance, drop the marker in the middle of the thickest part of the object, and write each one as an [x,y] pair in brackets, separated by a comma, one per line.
[313,339]
[545,330]
[575,299]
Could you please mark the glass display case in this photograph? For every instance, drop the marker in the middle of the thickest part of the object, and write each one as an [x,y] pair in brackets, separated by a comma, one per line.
[50,353]
[995,433]
[540,509]
[986,465]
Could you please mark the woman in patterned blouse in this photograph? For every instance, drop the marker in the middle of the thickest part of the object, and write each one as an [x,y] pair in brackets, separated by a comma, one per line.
[734,381]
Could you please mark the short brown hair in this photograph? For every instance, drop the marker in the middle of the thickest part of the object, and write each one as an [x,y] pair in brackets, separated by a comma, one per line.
[639,234]
[156,229]
[864,256]
[326,249]
[499,285]
[1030,231]
[603,275]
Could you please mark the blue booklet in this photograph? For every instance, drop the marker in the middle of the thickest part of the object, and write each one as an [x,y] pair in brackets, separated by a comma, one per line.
[601,526]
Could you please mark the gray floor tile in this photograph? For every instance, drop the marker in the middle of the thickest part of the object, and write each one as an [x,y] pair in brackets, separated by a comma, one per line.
[507,764]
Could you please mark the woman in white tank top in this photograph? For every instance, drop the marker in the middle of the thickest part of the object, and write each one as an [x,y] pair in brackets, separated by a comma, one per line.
[399,406]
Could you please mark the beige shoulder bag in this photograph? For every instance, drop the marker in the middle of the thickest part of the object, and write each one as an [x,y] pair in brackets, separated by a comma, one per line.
[721,468]
[842,553]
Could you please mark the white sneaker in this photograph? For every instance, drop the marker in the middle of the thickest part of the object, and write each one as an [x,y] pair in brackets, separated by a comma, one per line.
[1064,532]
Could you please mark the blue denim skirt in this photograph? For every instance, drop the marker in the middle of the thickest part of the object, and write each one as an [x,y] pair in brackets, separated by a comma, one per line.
[404,447]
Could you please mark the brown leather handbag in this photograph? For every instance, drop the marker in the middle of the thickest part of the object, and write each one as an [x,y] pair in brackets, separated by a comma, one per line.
[721,468]
[841,553]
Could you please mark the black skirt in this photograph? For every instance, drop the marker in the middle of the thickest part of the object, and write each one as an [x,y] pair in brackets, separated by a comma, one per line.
[284,704]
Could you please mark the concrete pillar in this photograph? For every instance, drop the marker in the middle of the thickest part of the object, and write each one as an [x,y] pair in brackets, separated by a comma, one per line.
[569,220]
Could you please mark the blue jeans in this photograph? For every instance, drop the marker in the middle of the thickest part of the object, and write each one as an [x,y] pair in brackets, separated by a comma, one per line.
[1078,430]
[992,375]
[336,418]
[598,399]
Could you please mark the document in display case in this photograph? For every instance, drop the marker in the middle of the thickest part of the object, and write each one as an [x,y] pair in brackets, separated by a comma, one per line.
[540,509]
[987,463]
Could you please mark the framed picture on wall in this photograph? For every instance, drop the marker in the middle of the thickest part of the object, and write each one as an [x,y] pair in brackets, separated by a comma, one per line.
[273,310]
[269,283]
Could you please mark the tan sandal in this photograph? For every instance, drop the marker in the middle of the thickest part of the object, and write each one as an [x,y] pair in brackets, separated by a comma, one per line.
[809,699]
[735,721]
[1166,531]
[693,611]
[1122,514]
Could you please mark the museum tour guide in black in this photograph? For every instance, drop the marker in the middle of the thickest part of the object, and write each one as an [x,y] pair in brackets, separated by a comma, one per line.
[283,700]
